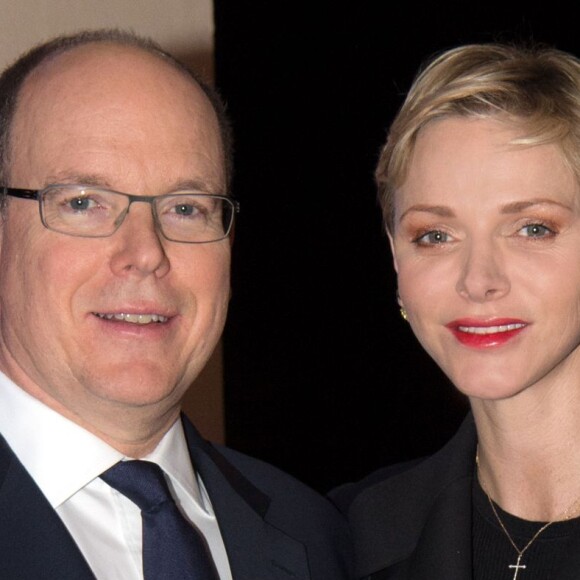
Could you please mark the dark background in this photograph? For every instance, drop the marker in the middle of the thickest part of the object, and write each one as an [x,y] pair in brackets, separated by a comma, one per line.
[322,376]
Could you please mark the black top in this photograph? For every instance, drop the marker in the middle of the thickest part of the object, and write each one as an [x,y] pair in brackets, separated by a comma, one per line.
[493,552]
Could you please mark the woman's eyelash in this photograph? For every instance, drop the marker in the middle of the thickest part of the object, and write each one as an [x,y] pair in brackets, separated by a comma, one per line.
[538,229]
[431,237]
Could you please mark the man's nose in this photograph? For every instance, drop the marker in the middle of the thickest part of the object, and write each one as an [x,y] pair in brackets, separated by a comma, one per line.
[140,249]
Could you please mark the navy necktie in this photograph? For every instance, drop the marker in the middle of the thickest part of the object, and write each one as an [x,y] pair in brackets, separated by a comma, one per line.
[172,548]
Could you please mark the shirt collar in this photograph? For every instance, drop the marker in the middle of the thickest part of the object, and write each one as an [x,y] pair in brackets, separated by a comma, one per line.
[172,455]
[62,457]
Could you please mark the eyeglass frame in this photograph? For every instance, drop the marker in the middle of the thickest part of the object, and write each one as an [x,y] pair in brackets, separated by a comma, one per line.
[36,194]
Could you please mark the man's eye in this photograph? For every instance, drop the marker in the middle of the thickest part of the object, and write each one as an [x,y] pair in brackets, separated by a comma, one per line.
[536,231]
[185,209]
[81,203]
[432,238]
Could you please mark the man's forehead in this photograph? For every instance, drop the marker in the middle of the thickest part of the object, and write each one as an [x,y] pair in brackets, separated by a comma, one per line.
[113,96]
[98,61]
[105,76]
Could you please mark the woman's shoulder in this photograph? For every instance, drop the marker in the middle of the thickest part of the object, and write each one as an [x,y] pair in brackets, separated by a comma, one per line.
[344,495]
[415,478]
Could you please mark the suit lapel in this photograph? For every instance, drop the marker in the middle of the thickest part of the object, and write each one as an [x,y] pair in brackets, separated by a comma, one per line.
[34,542]
[256,549]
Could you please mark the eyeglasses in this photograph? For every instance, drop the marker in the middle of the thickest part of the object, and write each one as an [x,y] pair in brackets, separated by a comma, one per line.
[189,217]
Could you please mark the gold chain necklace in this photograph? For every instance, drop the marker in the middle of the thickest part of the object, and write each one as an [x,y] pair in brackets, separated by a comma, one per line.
[566,515]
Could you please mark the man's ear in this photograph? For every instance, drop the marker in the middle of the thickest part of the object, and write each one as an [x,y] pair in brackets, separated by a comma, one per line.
[2,218]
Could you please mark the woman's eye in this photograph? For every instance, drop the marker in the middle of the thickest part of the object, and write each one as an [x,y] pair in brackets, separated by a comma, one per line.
[536,231]
[432,238]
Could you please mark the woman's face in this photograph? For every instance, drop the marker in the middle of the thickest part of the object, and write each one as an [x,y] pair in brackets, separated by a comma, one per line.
[487,249]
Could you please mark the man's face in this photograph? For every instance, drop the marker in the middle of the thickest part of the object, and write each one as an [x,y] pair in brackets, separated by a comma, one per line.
[124,120]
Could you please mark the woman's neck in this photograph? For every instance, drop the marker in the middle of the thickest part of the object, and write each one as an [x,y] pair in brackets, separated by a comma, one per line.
[529,457]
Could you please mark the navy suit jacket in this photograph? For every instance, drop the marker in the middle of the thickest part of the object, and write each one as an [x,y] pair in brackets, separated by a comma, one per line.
[273,527]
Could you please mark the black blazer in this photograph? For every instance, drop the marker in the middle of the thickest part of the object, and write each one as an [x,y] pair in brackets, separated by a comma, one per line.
[413,521]
[273,527]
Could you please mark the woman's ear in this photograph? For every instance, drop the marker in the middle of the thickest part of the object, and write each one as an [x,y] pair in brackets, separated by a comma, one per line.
[392,244]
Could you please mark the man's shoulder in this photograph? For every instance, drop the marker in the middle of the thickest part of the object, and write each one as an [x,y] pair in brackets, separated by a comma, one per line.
[278,485]
[294,509]
[246,472]
[257,468]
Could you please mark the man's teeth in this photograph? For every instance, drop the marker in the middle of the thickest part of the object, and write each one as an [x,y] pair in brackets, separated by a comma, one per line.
[134,318]
[491,329]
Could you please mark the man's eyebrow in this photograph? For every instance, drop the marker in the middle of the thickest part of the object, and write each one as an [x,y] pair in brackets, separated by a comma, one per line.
[196,185]
[101,181]
[438,210]
[74,178]
[519,206]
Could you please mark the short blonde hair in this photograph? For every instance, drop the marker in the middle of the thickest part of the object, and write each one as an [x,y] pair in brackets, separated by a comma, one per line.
[537,88]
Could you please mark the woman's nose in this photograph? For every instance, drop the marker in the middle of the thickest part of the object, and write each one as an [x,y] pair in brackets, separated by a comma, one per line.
[483,276]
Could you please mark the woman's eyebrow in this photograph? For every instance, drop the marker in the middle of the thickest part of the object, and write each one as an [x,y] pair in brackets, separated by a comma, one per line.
[439,210]
[519,206]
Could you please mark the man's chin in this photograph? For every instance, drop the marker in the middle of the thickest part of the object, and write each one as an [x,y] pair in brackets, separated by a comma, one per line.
[135,388]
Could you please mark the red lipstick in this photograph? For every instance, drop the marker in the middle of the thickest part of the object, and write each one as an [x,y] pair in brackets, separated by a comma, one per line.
[486,334]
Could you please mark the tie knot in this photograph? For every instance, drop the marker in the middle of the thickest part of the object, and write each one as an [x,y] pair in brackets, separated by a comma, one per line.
[141,481]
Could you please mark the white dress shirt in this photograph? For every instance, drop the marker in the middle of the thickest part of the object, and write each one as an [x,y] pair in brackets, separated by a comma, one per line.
[65,461]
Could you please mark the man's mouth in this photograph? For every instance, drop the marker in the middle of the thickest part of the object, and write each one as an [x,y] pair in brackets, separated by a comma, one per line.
[133,318]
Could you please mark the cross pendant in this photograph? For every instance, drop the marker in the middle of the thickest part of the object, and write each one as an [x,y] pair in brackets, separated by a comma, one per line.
[517,567]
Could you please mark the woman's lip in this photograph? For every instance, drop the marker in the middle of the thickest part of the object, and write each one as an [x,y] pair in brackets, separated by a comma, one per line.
[488,333]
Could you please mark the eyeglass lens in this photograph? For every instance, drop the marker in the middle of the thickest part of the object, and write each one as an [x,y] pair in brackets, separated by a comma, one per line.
[184,216]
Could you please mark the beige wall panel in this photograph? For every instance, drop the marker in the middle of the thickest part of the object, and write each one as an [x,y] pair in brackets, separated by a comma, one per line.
[185,28]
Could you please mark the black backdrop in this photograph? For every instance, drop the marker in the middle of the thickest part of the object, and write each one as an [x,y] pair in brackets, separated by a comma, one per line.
[322,376]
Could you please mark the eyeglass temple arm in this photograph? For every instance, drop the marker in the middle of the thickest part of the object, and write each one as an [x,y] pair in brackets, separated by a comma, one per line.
[23,193]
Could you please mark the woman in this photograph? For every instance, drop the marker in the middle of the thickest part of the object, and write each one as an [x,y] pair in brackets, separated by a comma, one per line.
[480,187]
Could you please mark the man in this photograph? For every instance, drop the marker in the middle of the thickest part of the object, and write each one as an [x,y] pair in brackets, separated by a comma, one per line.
[110,305]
